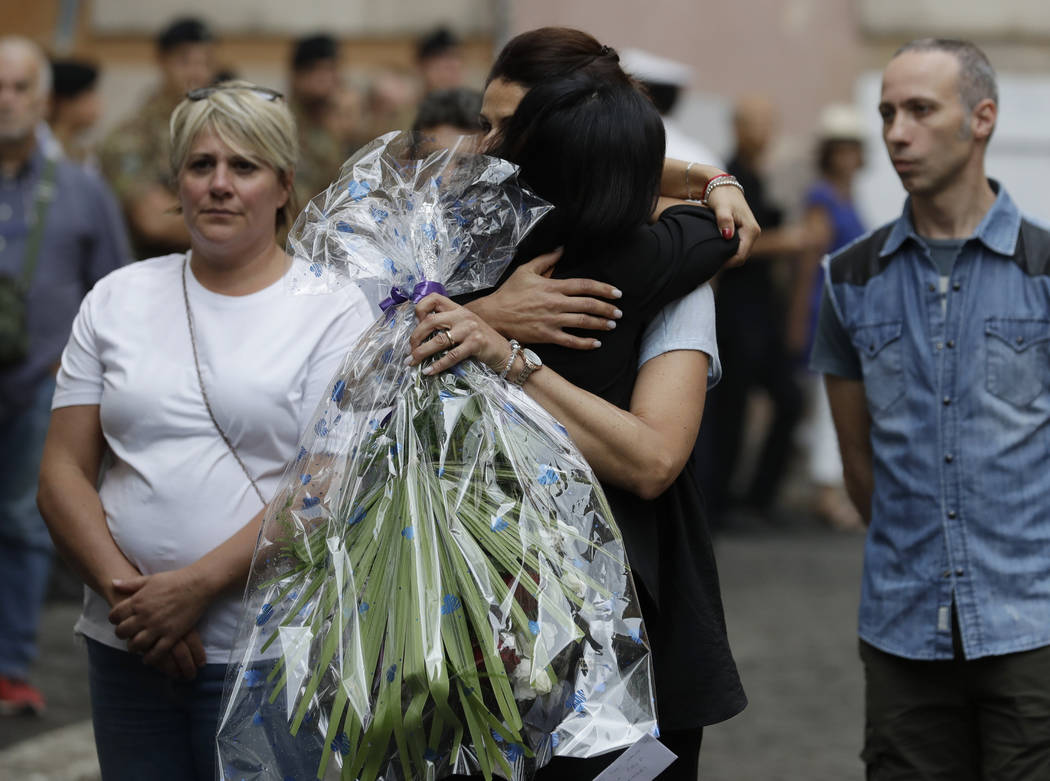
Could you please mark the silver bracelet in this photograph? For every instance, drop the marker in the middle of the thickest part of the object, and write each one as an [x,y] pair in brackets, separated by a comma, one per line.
[720,181]
[515,348]
[688,188]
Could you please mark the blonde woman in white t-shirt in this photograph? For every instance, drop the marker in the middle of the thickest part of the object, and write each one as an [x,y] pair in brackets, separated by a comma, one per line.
[198,373]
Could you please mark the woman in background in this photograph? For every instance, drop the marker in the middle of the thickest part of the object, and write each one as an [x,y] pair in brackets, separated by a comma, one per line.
[831,219]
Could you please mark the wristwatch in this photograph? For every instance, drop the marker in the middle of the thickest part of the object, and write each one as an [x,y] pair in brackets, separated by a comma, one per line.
[532,363]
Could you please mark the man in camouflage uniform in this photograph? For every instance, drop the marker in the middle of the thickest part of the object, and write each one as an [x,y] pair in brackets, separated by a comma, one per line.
[314,84]
[134,156]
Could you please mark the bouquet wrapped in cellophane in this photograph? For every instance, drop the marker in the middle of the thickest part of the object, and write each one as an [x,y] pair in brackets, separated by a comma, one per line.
[438,586]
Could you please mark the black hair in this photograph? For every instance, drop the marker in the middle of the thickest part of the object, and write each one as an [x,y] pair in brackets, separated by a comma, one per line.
[72,78]
[826,149]
[436,43]
[185,30]
[593,149]
[313,49]
[459,107]
[546,53]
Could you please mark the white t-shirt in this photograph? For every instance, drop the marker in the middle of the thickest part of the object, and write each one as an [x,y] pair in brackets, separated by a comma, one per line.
[174,490]
[685,324]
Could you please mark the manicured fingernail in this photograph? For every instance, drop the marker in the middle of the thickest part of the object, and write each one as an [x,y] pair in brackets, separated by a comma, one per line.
[408,361]
[597,343]
[610,324]
[427,370]
[727,233]
[617,293]
[617,314]
[117,581]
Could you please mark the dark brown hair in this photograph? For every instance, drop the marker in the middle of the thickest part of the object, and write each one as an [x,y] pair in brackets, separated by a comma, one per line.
[550,53]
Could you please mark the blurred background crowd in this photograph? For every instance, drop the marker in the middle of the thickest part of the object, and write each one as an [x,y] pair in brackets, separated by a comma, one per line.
[781,93]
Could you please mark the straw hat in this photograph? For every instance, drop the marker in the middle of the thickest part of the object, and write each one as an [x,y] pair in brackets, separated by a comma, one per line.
[840,122]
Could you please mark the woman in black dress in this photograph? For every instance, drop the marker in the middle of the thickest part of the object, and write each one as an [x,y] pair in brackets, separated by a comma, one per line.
[594,148]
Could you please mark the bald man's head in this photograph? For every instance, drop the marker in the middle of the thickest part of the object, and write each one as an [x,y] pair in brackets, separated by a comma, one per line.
[754,120]
[25,83]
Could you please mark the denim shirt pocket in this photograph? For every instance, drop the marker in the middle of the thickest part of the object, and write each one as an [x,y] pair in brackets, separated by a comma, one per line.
[879,346]
[1017,353]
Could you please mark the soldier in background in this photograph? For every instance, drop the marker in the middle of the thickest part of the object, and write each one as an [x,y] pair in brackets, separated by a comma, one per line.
[444,117]
[440,60]
[134,156]
[314,88]
[75,108]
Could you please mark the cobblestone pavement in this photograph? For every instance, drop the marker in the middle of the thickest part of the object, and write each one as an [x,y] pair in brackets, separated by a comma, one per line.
[790,596]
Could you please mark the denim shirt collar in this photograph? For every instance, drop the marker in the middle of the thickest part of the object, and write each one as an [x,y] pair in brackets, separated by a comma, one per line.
[997,230]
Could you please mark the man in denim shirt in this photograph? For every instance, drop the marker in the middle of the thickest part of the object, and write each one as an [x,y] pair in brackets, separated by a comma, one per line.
[933,337]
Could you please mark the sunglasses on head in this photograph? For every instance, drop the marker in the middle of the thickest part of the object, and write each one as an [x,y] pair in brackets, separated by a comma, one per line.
[263,92]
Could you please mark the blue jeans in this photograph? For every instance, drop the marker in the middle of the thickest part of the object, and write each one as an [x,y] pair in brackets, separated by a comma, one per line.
[25,545]
[149,726]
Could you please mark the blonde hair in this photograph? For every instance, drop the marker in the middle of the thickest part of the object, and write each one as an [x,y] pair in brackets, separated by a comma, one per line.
[248,119]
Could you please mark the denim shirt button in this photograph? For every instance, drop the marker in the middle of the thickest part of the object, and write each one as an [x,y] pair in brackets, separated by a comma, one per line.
[932,287]
[959,572]
[951,343]
[946,401]
[1020,340]
[956,286]
[948,458]
[940,345]
[946,574]
[951,514]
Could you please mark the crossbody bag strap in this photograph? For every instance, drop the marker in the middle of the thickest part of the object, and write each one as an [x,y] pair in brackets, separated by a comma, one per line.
[42,200]
[200,380]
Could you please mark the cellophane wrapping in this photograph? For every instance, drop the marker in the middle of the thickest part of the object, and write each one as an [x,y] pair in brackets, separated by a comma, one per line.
[439,586]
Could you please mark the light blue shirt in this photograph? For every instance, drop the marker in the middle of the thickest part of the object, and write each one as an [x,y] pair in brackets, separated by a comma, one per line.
[685,324]
[957,380]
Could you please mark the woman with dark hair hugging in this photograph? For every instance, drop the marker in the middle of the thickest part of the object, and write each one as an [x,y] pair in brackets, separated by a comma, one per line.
[594,148]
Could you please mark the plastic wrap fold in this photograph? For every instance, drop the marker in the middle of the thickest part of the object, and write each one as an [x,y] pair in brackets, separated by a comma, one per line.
[439,585]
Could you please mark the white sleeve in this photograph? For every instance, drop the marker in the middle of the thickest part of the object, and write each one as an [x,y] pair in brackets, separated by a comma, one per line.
[79,379]
[340,336]
[685,324]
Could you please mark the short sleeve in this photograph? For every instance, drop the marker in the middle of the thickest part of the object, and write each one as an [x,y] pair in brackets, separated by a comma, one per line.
[79,379]
[833,352]
[685,324]
[820,195]
[338,339]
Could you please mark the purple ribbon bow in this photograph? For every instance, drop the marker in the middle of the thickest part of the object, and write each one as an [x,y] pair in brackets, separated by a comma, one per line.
[419,292]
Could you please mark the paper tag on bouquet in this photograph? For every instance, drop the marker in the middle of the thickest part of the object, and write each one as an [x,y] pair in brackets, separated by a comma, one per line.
[643,761]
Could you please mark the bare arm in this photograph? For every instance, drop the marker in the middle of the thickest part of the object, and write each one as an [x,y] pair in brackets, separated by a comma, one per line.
[849,409]
[531,307]
[817,226]
[71,507]
[642,449]
[732,213]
